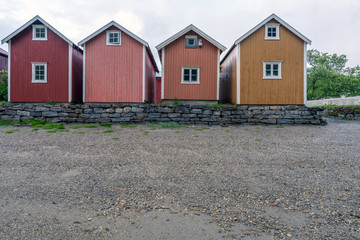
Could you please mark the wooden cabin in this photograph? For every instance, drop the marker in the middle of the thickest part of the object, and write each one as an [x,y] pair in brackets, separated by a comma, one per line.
[3,60]
[267,65]
[118,66]
[190,62]
[44,65]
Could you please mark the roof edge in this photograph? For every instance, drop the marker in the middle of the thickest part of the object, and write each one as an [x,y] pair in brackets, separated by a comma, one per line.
[282,22]
[113,23]
[187,29]
[31,21]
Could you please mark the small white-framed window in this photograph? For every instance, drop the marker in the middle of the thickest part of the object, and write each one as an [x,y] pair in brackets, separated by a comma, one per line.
[113,38]
[272,31]
[39,32]
[191,41]
[272,70]
[190,75]
[39,72]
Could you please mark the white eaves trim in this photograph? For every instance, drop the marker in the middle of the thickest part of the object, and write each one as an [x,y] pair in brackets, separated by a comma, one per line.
[34,19]
[113,23]
[187,29]
[282,22]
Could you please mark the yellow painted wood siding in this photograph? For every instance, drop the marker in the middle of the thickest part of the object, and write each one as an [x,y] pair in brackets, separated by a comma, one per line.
[254,50]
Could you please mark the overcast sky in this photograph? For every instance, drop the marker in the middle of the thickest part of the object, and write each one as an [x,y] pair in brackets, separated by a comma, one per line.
[332,25]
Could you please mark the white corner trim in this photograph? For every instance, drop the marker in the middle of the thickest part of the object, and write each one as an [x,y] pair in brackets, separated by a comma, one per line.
[238,75]
[218,77]
[70,72]
[9,69]
[84,59]
[162,71]
[305,73]
[143,75]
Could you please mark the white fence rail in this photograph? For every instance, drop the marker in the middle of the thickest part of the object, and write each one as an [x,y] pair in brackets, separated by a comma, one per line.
[334,101]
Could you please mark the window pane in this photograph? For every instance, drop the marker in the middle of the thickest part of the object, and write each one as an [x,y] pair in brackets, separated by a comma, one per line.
[268,66]
[191,41]
[275,73]
[268,73]
[186,75]
[275,66]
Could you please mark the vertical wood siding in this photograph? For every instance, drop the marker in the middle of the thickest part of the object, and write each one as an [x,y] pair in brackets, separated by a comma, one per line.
[24,51]
[254,50]
[77,65]
[150,78]
[3,63]
[228,78]
[113,73]
[177,56]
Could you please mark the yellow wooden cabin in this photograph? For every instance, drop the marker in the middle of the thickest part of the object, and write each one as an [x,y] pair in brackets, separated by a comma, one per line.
[266,66]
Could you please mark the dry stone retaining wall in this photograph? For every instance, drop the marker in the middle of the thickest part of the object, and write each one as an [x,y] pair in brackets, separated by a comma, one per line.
[142,113]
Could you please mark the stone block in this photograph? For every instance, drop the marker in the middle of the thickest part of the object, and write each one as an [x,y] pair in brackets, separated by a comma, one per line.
[109,110]
[174,115]
[56,109]
[269,121]
[50,114]
[23,113]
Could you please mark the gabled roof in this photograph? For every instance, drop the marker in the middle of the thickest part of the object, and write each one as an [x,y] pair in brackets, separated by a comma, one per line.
[34,19]
[282,22]
[187,29]
[113,23]
[3,52]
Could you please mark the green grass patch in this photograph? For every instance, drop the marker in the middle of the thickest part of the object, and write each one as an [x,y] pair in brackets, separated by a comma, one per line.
[184,126]
[258,140]
[164,125]
[11,131]
[51,131]
[90,126]
[124,125]
[50,102]
[279,126]
[108,131]
[202,129]
[4,123]
[4,102]
[227,130]
[35,129]
[217,105]
[230,136]
[105,124]
[145,133]
[52,126]
[81,132]
[116,138]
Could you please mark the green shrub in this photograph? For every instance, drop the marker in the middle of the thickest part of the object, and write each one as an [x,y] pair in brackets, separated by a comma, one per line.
[3,86]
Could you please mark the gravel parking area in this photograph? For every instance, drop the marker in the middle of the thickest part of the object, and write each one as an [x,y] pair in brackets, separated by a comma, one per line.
[236,182]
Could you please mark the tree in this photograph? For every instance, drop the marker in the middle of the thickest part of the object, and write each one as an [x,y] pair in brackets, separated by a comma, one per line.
[3,85]
[328,77]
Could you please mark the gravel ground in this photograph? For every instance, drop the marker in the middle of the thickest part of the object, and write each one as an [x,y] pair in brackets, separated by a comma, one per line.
[236,182]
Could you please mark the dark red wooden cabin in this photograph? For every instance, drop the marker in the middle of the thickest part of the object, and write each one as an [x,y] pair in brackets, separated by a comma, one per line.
[44,65]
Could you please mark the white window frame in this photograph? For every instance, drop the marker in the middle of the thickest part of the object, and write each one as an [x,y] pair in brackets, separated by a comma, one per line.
[108,38]
[272,25]
[190,82]
[191,37]
[34,33]
[272,63]
[34,64]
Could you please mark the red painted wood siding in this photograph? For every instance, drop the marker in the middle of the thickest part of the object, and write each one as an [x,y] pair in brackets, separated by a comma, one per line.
[113,73]
[24,51]
[177,56]
[3,63]
[77,73]
[150,78]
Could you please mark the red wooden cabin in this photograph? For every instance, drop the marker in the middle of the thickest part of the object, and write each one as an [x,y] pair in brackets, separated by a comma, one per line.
[190,66]
[44,65]
[118,66]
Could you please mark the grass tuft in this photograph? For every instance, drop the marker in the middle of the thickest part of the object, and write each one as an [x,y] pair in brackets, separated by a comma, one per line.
[11,131]
[4,123]
[105,124]
[108,131]
[76,127]
[124,125]
[164,125]
[53,126]
[90,126]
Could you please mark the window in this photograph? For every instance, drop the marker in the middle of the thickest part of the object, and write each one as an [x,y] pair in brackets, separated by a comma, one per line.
[272,31]
[190,75]
[113,38]
[190,41]
[272,70]
[39,32]
[39,72]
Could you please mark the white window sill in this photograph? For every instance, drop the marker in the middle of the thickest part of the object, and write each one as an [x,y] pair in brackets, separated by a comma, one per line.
[190,82]
[272,38]
[37,81]
[272,78]
[39,39]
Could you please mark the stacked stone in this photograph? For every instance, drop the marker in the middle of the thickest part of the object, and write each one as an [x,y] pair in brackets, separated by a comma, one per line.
[344,112]
[143,113]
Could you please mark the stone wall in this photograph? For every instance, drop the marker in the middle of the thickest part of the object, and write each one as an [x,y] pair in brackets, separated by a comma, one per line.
[343,112]
[142,113]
